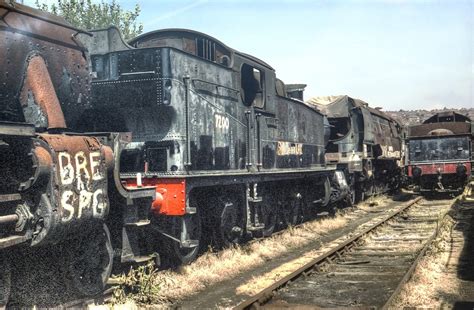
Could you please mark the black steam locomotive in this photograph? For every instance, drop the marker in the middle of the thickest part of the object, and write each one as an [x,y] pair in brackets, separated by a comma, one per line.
[440,153]
[212,129]
[365,143]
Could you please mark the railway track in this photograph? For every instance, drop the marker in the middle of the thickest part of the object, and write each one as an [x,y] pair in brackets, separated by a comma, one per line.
[367,270]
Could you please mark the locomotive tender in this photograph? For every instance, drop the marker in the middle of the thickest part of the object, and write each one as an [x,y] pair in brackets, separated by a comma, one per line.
[213,131]
[440,153]
[365,143]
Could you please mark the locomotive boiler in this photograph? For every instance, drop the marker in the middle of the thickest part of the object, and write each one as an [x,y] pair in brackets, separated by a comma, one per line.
[364,143]
[440,153]
[214,132]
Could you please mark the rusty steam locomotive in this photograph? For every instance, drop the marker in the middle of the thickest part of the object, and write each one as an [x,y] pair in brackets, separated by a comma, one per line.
[365,143]
[155,147]
[440,153]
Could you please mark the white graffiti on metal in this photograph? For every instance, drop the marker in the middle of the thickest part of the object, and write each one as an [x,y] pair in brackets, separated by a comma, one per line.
[80,172]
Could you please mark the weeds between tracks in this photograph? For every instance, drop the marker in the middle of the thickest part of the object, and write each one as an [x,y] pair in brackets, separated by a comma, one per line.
[423,288]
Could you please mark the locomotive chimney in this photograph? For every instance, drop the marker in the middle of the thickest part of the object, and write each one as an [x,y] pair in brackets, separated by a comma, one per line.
[295,91]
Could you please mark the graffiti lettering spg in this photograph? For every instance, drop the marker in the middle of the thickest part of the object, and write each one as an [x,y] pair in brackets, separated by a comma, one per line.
[81,172]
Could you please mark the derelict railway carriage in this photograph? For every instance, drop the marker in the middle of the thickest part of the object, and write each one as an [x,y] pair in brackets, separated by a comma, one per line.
[365,143]
[227,153]
[440,153]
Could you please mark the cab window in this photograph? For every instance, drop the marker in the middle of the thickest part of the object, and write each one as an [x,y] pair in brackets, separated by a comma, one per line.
[252,80]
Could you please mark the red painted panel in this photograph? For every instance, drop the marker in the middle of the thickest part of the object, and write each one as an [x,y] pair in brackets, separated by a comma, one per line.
[444,168]
[170,195]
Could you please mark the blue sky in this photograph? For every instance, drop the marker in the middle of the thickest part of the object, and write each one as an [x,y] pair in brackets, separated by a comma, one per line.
[392,54]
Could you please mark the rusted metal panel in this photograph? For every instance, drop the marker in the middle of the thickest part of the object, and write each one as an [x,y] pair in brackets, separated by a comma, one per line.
[39,85]
[13,6]
[429,129]
[26,33]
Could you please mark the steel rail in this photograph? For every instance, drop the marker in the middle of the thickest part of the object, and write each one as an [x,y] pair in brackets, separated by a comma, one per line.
[412,268]
[267,293]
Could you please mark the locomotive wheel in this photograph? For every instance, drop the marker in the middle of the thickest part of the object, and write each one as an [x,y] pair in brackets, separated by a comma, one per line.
[174,252]
[89,262]
[268,217]
[231,222]
[5,280]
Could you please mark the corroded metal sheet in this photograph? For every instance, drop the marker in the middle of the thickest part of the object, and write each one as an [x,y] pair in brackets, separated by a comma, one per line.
[38,85]
[80,177]
[456,128]
[26,33]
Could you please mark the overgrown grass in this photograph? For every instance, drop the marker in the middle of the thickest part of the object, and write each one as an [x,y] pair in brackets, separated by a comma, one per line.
[139,285]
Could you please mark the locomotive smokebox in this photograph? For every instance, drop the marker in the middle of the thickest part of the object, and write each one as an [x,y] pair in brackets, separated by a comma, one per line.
[295,91]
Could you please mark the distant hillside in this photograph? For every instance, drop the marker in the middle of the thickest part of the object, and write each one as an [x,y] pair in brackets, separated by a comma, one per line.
[414,117]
